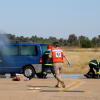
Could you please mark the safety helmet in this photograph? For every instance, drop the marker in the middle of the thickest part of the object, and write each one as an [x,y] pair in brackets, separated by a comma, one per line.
[49,47]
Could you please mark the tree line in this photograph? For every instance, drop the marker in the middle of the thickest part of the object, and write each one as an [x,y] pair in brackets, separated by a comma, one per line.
[73,40]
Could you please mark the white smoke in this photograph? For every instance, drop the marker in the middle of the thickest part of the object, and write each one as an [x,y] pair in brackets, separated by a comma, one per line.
[2,32]
[3,37]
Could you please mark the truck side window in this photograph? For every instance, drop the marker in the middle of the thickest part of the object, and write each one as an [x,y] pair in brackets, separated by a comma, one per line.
[9,51]
[44,48]
[29,50]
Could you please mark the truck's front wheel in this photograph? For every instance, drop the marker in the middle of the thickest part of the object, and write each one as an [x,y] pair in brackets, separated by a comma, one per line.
[29,72]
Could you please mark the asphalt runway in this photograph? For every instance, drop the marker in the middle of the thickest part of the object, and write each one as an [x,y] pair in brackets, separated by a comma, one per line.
[44,89]
[51,76]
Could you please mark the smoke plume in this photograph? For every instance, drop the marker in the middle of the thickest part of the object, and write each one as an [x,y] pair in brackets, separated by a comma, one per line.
[3,37]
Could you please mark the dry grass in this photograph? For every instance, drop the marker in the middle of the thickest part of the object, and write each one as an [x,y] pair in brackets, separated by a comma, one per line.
[79,59]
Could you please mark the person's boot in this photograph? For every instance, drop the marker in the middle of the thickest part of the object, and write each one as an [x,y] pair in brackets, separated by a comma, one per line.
[63,85]
[44,76]
[86,75]
[58,85]
[91,75]
[97,76]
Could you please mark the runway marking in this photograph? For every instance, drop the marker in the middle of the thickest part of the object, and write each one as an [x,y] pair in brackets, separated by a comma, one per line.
[39,91]
[58,91]
[67,88]
[85,91]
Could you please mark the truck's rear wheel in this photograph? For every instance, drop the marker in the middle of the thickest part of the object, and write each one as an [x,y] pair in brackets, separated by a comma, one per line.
[29,72]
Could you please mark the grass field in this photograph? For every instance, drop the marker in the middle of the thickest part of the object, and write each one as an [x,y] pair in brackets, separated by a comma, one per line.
[79,59]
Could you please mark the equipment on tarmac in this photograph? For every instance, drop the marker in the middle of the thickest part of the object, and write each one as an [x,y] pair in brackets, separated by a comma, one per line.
[34,88]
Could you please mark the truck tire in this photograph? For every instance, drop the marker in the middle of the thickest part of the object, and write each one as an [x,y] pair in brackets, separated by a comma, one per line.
[29,72]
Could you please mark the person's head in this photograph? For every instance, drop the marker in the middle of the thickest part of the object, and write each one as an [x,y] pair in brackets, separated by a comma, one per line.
[16,79]
[56,44]
[49,47]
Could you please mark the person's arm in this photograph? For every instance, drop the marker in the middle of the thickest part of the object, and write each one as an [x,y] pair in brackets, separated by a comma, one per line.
[66,58]
[48,59]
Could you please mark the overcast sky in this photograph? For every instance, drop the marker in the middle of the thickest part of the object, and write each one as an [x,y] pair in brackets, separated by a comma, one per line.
[56,18]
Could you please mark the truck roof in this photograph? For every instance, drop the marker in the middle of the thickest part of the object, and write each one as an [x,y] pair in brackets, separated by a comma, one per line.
[24,44]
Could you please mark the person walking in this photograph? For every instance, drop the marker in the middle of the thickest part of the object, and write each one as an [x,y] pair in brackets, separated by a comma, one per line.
[57,55]
[47,65]
[96,65]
